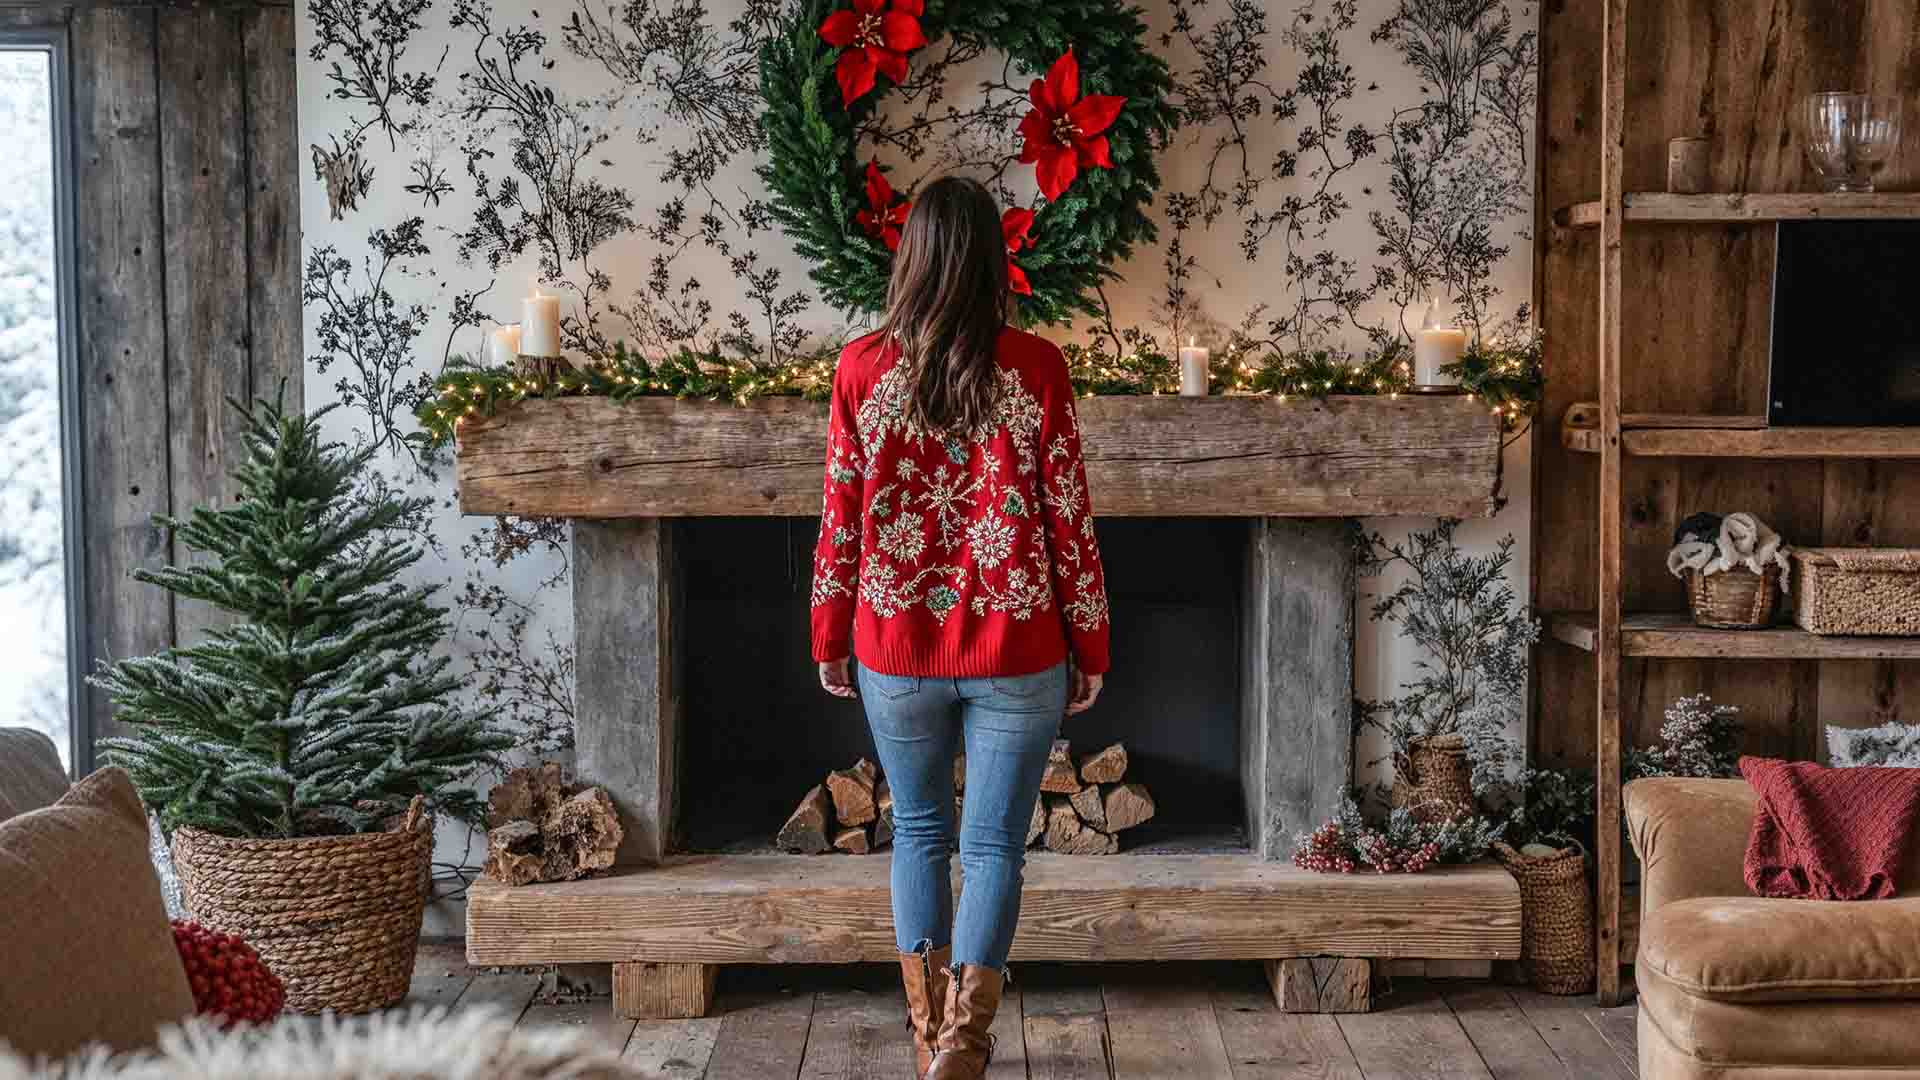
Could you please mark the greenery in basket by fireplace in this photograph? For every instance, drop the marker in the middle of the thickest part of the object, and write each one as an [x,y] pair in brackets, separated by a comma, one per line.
[323,708]
[1554,806]
[1475,636]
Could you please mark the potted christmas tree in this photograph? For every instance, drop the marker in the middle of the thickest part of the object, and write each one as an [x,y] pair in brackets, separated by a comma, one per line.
[1451,727]
[290,754]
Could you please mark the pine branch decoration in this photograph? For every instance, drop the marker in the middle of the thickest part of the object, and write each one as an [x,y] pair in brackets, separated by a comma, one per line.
[325,709]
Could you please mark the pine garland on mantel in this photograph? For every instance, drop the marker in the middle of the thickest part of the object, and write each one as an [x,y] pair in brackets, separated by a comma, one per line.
[1505,374]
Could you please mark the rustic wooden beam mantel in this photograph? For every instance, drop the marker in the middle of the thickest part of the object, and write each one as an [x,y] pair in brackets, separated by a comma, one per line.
[1237,456]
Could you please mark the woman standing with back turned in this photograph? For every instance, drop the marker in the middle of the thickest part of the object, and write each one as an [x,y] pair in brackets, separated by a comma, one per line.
[957,559]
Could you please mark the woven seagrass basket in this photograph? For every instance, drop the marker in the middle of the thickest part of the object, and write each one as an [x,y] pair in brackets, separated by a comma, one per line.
[1736,599]
[1556,918]
[1434,780]
[1857,591]
[337,918]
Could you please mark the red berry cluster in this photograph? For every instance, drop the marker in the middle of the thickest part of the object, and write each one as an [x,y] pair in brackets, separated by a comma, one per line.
[1325,851]
[1389,858]
[228,978]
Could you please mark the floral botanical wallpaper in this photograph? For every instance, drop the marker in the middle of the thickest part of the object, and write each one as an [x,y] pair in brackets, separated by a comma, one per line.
[1339,161]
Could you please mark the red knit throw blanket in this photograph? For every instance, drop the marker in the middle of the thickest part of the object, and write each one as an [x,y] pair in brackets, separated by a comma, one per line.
[1828,834]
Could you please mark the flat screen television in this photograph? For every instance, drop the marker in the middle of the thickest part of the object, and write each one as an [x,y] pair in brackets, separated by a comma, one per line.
[1846,325]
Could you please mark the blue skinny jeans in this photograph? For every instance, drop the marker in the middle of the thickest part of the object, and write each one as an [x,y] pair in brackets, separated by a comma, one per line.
[1006,724]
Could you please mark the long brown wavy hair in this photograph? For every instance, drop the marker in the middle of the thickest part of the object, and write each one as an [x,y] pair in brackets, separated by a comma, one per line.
[947,303]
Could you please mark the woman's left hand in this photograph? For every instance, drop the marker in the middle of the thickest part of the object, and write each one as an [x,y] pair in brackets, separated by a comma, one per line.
[836,679]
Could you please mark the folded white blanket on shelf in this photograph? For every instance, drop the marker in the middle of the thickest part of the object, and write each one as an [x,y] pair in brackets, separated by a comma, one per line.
[1744,540]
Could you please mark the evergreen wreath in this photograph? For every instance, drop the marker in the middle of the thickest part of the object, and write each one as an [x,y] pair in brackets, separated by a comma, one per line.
[818,73]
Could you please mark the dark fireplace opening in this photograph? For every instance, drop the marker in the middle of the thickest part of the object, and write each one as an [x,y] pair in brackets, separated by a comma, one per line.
[758,732]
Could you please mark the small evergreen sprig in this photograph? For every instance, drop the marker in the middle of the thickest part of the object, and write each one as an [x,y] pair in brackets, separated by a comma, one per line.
[325,708]
[1505,370]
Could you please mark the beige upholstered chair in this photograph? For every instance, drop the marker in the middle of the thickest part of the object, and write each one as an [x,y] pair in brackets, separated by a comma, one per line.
[1733,986]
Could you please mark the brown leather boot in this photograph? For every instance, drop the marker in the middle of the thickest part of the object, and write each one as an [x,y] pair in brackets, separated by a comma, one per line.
[965,1045]
[926,977]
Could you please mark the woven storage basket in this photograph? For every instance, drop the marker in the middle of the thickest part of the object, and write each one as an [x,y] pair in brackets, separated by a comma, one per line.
[337,918]
[1857,590]
[1556,919]
[1736,599]
[1434,780]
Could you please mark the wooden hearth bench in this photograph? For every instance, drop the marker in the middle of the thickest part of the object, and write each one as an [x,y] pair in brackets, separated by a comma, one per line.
[1296,470]
[666,928]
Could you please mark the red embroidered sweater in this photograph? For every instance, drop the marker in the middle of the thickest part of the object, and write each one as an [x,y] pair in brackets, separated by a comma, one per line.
[963,556]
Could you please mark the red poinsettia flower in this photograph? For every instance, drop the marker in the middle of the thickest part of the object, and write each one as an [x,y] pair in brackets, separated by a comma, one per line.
[1063,135]
[876,37]
[1014,227]
[882,218]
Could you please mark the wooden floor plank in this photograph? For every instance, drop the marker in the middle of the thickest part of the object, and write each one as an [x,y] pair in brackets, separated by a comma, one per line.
[1563,1023]
[762,1036]
[1412,1035]
[432,989]
[673,1049]
[1164,1030]
[1505,1040]
[1066,1032]
[1264,1043]
[858,1036]
[506,992]
[596,1016]
[1009,1038]
[1620,1026]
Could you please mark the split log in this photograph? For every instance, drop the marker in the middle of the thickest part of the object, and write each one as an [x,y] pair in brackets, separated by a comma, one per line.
[1127,805]
[586,828]
[1093,842]
[806,830]
[883,815]
[1108,766]
[853,840]
[513,853]
[1087,803]
[852,791]
[543,829]
[1060,777]
[1063,825]
[1038,824]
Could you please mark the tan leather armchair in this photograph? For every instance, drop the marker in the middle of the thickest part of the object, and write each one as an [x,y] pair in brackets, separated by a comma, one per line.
[1735,986]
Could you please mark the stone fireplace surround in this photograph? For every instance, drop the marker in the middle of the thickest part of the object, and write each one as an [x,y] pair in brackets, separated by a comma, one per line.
[1295,473]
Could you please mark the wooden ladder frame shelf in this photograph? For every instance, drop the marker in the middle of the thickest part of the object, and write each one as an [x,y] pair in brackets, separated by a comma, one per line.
[1603,428]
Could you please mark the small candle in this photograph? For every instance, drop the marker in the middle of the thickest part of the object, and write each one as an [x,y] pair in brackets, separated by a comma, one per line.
[540,325]
[1193,370]
[1435,346]
[503,346]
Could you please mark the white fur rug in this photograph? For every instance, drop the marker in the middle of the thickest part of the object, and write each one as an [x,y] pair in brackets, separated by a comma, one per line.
[471,1045]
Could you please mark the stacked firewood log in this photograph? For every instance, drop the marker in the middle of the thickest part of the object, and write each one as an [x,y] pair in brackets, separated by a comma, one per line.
[1082,807]
[1082,810]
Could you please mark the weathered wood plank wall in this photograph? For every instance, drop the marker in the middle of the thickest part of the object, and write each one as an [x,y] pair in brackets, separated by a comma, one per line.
[186,196]
[1695,310]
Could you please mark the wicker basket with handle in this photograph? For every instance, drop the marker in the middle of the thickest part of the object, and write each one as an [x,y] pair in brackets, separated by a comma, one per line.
[1736,599]
[337,918]
[1434,779]
[1857,590]
[1556,918]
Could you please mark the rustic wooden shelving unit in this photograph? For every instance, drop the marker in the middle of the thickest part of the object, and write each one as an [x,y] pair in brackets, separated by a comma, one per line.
[1605,429]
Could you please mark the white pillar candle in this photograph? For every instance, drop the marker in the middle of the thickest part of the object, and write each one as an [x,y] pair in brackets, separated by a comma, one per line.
[1193,370]
[540,325]
[503,346]
[1436,345]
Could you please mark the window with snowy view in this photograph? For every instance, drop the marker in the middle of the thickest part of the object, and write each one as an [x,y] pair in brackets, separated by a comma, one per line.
[33,610]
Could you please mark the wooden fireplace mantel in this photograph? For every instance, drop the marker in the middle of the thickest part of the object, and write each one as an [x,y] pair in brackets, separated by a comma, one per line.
[1238,456]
